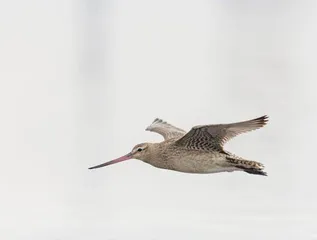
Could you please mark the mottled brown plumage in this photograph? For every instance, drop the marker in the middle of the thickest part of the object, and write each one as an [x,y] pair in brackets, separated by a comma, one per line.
[198,151]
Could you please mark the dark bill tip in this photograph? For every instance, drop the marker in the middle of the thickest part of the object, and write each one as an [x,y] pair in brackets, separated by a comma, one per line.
[121,159]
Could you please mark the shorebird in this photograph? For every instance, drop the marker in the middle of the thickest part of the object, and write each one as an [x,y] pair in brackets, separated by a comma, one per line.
[198,151]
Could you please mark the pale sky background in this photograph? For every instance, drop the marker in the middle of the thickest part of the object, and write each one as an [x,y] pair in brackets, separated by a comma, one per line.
[81,80]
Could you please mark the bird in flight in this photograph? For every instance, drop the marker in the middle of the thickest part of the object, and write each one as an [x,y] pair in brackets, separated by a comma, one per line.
[198,151]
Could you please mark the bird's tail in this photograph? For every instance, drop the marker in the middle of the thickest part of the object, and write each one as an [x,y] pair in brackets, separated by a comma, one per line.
[251,167]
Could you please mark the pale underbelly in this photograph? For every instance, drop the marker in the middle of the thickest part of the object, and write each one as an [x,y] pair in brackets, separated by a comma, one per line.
[211,165]
[215,169]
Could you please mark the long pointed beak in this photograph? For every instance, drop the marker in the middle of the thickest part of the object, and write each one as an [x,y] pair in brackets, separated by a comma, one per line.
[120,159]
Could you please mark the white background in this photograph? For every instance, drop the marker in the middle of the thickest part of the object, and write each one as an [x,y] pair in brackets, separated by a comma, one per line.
[81,80]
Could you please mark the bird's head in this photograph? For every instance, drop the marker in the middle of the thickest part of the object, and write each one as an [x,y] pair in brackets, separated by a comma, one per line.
[139,151]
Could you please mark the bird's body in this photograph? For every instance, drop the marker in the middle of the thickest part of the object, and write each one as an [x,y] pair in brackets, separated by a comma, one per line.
[188,161]
[198,151]
[168,155]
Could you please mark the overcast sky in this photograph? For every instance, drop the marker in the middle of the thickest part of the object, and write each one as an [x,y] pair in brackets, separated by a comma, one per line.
[81,80]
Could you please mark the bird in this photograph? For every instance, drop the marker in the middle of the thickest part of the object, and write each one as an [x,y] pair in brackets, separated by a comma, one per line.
[199,150]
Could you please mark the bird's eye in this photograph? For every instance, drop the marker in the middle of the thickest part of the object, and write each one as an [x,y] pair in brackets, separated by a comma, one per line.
[139,149]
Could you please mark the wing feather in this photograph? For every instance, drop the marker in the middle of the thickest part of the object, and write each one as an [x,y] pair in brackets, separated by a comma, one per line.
[213,137]
[167,130]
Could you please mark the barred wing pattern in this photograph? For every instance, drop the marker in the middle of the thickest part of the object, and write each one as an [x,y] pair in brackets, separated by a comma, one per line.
[167,130]
[213,137]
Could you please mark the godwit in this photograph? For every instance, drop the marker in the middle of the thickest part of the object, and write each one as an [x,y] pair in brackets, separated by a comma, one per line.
[198,151]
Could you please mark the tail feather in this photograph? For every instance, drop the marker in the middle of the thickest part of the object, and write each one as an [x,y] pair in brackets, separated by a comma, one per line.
[255,171]
[250,167]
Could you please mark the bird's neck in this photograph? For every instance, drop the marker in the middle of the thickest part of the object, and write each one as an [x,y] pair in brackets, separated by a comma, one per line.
[156,155]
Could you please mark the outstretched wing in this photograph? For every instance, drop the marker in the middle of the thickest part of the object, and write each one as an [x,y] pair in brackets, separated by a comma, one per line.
[213,137]
[167,130]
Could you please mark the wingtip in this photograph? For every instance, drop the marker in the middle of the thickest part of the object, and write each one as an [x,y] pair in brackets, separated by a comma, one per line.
[262,120]
[265,119]
[156,120]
